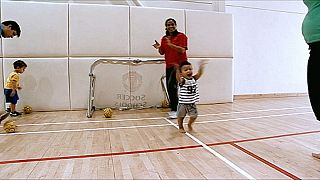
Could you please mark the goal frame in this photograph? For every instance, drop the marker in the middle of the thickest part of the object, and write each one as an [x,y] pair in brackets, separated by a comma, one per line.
[120,61]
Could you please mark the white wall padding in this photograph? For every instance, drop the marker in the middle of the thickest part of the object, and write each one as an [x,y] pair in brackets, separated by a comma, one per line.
[216,83]
[1,47]
[79,69]
[210,34]
[271,55]
[147,25]
[116,85]
[45,85]
[2,98]
[98,30]
[44,29]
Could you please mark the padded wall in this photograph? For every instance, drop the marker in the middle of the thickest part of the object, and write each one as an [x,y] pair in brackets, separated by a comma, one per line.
[98,30]
[216,83]
[61,81]
[210,34]
[79,69]
[116,85]
[2,98]
[147,25]
[1,46]
[44,29]
[272,44]
[45,85]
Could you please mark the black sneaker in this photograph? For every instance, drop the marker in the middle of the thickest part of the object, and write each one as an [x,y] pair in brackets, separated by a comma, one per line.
[19,113]
[15,114]
[8,110]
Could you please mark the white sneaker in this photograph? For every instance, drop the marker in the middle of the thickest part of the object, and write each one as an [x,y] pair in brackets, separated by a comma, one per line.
[172,114]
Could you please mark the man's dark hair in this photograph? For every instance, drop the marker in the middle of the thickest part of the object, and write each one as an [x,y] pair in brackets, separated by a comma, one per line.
[19,64]
[14,26]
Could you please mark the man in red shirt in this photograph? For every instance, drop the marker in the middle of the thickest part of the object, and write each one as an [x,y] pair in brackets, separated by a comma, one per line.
[173,46]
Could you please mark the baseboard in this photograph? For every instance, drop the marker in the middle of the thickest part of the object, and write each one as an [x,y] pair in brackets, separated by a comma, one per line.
[273,95]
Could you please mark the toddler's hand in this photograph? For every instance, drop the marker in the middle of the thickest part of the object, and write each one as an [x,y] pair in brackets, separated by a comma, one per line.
[202,63]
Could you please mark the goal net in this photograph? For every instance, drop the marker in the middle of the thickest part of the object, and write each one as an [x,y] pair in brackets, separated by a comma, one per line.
[126,83]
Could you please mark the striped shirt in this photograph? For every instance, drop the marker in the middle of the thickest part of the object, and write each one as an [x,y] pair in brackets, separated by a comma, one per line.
[188,91]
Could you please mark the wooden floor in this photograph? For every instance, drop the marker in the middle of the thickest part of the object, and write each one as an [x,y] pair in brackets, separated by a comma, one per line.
[266,138]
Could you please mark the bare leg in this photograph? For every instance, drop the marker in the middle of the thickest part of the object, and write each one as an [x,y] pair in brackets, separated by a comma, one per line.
[191,121]
[316,155]
[13,107]
[180,123]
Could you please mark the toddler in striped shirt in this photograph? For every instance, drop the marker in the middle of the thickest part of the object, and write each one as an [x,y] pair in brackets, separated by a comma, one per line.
[188,93]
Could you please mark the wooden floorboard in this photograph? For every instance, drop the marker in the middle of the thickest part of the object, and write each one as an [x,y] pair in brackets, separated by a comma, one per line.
[267,138]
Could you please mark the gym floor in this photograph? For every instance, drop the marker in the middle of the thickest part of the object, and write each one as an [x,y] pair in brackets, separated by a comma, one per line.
[262,138]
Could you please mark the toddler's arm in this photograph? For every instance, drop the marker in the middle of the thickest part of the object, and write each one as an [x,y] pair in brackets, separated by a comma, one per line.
[201,69]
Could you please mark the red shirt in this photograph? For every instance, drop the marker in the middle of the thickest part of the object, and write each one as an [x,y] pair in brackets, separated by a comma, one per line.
[171,55]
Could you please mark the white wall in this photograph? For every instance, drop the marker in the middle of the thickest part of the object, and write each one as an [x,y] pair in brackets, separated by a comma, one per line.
[60,48]
[179,4]
[270,55]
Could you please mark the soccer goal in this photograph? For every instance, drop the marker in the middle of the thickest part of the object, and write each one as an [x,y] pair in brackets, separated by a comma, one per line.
[126,83]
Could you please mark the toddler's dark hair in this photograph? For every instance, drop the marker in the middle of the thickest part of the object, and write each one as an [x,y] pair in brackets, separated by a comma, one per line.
[184,63]
[19,64]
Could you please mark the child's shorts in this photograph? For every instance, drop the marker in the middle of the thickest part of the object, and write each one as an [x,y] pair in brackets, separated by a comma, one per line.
[190,109]
[12,100]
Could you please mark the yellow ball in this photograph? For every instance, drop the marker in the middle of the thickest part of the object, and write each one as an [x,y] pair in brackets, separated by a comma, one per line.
[10,126]
[107,112]
[27,109]
[164,104]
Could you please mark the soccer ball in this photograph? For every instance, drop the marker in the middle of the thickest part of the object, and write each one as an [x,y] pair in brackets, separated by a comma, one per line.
[164,104]
[27,109]
[107,112]
[10,126]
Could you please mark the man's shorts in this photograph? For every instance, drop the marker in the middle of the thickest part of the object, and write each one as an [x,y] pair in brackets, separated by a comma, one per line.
[190,109]
[9,99]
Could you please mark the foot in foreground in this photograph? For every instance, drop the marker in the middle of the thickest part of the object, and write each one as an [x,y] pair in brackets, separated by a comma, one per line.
[316,155]
[190,123]
[190,127]
[182,130]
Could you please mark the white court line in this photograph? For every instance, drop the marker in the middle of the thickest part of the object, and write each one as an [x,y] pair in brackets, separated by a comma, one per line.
[259,110]
[215,153]
[86,122]
[81,130]
[132,127]
[140,119]
[257,117]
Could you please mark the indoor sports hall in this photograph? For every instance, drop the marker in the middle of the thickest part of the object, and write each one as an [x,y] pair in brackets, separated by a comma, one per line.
[94,97]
